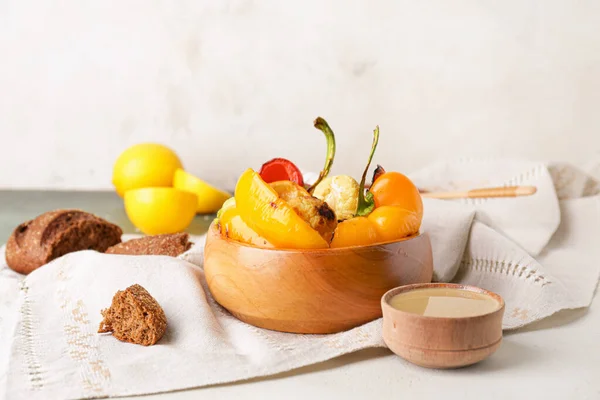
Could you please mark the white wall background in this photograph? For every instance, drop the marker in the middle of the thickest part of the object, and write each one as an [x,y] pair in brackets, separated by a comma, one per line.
[230,84]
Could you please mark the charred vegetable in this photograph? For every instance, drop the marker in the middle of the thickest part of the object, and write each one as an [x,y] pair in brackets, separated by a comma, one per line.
[315,211]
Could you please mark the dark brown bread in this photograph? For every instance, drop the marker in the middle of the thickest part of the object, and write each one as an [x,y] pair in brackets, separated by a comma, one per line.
[135,317]
[56,233]
[158,245]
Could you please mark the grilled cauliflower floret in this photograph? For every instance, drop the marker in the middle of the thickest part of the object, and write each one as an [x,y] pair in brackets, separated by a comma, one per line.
[340,193]
[314,211]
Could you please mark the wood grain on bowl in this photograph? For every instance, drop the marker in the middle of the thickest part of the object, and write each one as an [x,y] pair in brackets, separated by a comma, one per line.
[311,291]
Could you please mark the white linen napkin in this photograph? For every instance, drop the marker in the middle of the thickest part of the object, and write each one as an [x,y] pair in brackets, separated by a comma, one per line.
[48,320]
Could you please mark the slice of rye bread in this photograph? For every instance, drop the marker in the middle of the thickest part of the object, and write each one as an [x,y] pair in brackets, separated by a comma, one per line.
[135,317]
[56,233]
[157,245]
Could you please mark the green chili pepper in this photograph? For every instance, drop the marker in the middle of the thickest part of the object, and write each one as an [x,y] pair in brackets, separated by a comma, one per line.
[366,203]
[322,125]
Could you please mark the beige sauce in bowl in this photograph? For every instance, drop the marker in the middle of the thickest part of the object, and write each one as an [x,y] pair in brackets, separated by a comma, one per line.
[444,302]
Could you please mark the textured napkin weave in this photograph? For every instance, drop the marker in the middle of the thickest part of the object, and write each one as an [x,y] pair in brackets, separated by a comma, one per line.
[49,347]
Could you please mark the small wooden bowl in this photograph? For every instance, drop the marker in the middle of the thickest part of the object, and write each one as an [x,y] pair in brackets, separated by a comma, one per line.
[311,291]
[438,342]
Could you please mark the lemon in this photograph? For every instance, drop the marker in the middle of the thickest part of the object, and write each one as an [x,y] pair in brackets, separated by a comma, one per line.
[210,199]
[160,210]
[145,165]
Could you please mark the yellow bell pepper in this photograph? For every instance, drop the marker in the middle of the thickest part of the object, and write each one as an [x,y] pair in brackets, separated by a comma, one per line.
[233,227]
[271,217]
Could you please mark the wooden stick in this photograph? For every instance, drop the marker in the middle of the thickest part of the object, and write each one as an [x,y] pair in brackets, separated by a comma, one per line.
[508,191]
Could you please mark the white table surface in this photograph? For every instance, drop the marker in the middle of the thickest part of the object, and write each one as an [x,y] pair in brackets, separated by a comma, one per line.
[557,358]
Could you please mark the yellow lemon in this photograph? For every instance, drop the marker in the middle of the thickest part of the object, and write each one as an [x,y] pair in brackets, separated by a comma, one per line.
[155,211]
[210,199]
[145,165]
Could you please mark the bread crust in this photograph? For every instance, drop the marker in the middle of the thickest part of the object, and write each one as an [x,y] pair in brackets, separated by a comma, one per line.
[158,245]
[55,233]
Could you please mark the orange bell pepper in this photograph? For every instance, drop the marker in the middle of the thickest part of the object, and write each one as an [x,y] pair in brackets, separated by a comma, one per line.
[271,217]
[395,189]
[398,206]
[233,226]
[357,231]
[393,223]
[392,209]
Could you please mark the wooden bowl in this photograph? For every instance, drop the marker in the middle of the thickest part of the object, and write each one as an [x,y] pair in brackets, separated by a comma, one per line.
[311,291]
[442,342]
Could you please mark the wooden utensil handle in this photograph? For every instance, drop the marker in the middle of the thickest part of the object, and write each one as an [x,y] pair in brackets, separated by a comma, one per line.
[508,191]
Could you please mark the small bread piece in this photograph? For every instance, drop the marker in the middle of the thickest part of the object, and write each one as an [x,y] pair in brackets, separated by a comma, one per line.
[56,233]
[134,317]
[157,245]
